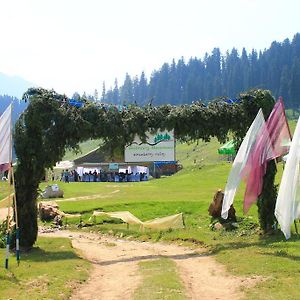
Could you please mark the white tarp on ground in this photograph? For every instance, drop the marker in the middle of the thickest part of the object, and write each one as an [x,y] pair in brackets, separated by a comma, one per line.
[125,216]
[287,207]
[174,221]
[239,163]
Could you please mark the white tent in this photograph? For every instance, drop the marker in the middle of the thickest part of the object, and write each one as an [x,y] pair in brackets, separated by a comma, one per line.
[287,207]
[65,164]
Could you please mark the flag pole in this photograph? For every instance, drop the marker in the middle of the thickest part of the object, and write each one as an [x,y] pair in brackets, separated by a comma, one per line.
[16,219]
[8,219]
[9,188]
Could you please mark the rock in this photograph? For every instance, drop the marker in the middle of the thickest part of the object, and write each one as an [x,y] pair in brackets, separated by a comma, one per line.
[58,220]
[215,207]
[218,226]
[48,210]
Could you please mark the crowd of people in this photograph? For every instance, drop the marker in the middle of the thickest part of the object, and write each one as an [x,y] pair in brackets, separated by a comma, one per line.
[102,176]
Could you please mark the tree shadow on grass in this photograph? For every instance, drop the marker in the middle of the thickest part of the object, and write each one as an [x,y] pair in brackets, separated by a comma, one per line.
[37,254]
[265,243]
[150,257]
[283,254]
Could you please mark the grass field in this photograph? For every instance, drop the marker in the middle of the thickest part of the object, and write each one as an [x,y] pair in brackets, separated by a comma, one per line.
[243,251]
[160,281]
[50,271]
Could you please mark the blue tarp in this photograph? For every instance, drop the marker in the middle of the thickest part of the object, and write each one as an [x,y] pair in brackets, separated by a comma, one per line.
[76,103]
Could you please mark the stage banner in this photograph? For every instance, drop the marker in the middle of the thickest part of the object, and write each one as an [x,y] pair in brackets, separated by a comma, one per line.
[158,147]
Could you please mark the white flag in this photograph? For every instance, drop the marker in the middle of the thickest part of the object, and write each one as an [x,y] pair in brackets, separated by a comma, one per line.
[288,202]
[239,163]
[5,139]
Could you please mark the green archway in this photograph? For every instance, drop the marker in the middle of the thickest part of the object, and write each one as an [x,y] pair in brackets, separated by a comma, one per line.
[51,124]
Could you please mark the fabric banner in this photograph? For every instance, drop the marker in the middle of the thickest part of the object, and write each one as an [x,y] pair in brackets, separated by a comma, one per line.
[174,221]
[288,202]
[239,162]
[271,143]
[5,139]
[125,216]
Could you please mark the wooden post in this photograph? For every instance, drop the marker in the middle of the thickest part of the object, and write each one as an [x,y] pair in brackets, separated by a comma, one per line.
[8,219]
[296,228]
[16,218]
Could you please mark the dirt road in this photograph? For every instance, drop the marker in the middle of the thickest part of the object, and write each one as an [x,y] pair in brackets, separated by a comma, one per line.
[115,268]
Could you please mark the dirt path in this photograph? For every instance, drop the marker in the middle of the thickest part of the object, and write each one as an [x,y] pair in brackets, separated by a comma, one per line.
[3,213]
[90,197]
[115,268]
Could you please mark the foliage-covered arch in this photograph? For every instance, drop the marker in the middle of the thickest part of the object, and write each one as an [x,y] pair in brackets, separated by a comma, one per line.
[51,124]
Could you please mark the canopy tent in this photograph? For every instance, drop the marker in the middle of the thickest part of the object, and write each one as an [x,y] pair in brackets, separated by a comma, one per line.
[65,164]
[228,148]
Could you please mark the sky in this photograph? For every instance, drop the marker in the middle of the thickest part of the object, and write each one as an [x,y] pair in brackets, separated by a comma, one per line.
[75,45]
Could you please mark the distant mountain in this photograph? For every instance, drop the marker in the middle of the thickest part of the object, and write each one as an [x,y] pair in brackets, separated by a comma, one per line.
[18,108]
[13,85]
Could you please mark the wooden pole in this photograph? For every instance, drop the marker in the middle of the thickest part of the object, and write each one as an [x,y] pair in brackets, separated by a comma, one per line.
[8,219]
[296,228]
[16,219]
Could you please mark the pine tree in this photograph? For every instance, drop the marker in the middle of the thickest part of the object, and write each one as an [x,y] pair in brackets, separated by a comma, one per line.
[143,89]
[218,75]
[96,95]
[116,94]
[126,93]
[295,83]
[103,92]
[136,90]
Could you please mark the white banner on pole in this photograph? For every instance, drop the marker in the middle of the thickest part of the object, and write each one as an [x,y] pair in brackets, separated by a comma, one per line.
[5,139]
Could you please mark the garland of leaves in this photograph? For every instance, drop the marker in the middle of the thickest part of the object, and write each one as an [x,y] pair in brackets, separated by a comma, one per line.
[51,124]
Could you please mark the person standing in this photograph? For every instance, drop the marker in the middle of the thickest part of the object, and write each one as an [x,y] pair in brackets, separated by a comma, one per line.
[66,175]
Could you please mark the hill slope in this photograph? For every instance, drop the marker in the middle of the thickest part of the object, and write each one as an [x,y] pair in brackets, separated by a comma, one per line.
[13,85]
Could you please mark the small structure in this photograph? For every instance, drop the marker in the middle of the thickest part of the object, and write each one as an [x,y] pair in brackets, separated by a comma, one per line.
[97,160]
[52,191]
[228,148]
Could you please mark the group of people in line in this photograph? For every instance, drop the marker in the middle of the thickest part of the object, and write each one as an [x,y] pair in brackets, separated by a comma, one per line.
[102,176]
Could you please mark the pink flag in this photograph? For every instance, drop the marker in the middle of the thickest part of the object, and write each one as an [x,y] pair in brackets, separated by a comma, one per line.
[5,139]
[271,143]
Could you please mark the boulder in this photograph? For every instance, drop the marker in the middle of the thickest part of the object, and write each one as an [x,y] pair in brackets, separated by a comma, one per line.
[215,207]
[48,210]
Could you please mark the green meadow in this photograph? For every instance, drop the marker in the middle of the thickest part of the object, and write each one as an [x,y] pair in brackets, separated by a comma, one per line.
[244,251]
[51,270]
